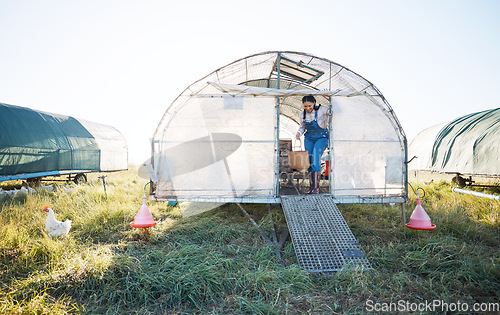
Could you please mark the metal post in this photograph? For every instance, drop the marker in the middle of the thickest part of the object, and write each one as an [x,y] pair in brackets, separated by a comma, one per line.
[405,166]
[331,186]
[405,178]
[104,184]
[403,210]
[262,234]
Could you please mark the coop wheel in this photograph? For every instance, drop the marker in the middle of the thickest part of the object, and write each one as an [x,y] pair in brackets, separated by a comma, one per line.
[80,178]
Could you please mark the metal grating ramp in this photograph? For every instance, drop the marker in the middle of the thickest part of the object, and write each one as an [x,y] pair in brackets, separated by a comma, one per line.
[321,237]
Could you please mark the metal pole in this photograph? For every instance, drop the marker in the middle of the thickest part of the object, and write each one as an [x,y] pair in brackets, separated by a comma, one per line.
[104,184]
[278,131]
[405,166]
[262,234]
[403,210]
[474,193]
[331,187]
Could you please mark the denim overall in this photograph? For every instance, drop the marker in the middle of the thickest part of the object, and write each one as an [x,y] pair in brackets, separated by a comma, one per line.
[315,142]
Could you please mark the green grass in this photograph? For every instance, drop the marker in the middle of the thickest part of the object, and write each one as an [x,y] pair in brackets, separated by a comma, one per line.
[216,262]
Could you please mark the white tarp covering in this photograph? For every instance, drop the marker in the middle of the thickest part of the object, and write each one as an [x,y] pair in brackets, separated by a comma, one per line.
[114,151]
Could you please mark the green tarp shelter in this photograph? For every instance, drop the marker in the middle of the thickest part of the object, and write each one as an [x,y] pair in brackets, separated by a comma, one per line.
[38,142]
[467,145]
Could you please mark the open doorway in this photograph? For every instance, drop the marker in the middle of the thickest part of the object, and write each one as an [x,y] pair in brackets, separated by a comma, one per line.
[296,182]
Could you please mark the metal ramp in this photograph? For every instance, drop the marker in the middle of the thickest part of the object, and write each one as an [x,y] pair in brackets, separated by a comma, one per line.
[321,237]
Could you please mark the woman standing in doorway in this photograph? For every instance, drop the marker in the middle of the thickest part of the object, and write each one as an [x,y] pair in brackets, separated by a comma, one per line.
[314,125]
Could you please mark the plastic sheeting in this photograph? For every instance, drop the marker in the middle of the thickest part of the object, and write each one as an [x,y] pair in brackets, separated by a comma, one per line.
[215,147]
[467,145]
[218,140]
[34,142]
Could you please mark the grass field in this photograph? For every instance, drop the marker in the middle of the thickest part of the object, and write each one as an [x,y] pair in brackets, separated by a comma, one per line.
[216,262]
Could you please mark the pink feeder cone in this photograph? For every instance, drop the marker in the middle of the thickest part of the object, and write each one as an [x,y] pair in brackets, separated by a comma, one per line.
[143,218]
[419,219]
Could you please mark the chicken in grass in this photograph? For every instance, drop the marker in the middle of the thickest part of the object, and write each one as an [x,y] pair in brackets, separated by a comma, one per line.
[54,227]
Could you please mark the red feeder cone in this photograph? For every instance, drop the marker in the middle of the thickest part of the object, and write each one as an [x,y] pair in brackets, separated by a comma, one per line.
[143,218]
[419,219]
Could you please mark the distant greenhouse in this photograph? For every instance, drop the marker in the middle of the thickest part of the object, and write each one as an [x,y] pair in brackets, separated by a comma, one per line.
[38,144]
[468,145]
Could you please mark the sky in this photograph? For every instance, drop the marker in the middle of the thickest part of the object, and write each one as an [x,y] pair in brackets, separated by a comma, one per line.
[123,62]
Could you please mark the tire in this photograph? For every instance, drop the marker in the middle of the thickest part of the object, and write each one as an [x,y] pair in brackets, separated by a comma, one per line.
[80,179]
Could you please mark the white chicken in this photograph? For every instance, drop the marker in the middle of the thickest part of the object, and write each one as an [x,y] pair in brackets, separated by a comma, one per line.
[54,227]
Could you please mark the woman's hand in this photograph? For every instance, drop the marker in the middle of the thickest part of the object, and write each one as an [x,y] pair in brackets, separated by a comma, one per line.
[297,136]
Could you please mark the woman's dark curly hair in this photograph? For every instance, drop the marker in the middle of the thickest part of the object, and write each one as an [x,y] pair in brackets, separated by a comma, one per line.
[309,98]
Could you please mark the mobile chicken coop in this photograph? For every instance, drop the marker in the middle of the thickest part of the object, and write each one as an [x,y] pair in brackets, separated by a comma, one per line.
[467,145]
[223,137]
[36,144]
